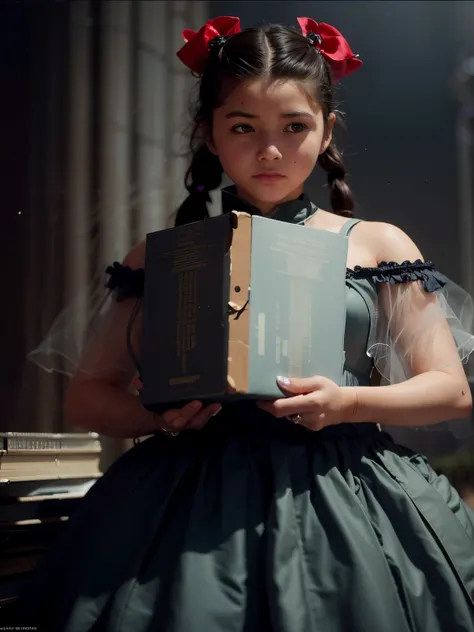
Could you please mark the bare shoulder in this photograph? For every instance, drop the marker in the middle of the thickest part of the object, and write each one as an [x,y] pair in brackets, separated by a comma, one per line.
[136,257]
[387,242]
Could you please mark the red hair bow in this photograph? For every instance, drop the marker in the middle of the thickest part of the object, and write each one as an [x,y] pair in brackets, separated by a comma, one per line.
[333,47]
[196,50]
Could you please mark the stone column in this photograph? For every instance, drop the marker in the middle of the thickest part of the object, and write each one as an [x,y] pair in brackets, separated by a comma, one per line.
[115,191]
[152,116]
[78,178]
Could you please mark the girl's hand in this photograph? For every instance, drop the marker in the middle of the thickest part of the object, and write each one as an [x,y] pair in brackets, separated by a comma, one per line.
[315,402]
[192,416]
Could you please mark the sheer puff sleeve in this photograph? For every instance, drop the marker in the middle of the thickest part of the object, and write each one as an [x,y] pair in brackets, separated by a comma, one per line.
[98,333]
[424,322]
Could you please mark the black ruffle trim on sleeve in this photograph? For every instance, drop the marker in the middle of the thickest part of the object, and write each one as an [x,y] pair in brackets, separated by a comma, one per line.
[124,281]
[394,273]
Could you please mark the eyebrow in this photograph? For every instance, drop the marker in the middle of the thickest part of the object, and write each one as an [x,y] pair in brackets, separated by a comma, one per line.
[240,114]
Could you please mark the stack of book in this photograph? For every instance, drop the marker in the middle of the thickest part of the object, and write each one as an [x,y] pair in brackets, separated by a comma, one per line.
[43,478]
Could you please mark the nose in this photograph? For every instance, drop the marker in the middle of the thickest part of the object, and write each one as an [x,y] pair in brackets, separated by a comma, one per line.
[268,152]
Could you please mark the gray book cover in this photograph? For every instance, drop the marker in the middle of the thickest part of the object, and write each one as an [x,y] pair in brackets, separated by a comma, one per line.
[297,304]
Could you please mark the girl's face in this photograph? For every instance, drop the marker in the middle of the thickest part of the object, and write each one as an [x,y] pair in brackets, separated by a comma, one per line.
[268,136]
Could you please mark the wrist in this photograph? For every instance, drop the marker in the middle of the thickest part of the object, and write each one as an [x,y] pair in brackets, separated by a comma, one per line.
[146,423]
[350,404]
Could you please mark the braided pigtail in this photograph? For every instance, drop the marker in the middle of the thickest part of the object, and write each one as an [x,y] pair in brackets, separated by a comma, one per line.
[342,200]
[203,175]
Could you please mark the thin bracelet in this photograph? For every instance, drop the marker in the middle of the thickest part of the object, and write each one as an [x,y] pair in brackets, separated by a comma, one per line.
[356,404]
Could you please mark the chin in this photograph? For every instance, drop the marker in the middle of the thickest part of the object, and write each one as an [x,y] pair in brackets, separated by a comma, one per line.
[271,193]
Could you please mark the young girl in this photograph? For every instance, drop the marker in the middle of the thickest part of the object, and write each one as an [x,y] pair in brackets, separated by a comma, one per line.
[295,515]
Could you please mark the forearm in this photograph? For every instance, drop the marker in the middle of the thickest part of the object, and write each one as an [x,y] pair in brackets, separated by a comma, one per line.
[425,399]
[97,406]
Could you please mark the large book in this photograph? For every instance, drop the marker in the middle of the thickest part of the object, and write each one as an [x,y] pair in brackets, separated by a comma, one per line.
[45,486]
[29,456]
[234,301]
[21,467]
[57,441]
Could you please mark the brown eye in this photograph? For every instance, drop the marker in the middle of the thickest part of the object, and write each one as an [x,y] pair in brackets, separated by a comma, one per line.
[297,127]
[242,128]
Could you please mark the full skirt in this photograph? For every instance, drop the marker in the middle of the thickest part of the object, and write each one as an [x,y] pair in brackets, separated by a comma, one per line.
[255,524]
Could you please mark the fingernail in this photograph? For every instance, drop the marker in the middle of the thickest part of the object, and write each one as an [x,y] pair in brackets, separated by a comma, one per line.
[283,380]
[195,405]
[216,412]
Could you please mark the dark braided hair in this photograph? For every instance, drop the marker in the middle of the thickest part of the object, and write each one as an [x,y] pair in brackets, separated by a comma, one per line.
[204,174]
[342,201]
[273,51]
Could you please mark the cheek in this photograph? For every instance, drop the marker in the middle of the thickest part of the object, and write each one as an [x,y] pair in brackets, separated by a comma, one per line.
[229,157]
[234,153]
[307,153]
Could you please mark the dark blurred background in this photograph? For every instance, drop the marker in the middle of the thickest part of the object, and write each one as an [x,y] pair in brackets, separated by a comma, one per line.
[94,110]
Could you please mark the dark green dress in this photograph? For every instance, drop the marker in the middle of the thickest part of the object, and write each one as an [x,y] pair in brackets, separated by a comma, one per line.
[256,524]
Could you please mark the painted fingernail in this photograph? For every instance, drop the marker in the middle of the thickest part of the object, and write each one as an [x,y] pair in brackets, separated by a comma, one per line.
[216,412]
[283,380]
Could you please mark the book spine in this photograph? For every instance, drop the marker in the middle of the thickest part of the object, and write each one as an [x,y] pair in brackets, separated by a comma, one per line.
[50,444]
[239,304]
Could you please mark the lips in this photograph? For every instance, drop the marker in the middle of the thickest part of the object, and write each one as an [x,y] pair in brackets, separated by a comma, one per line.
[271,176]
